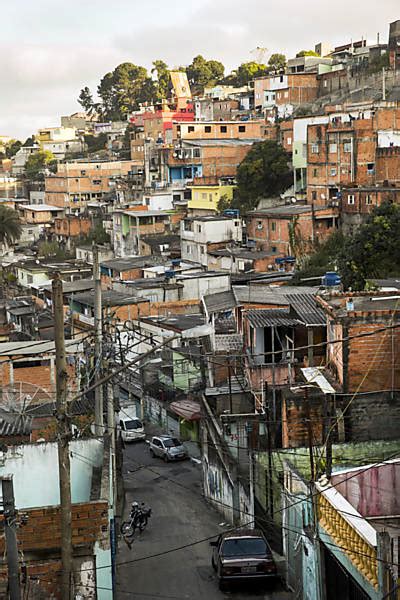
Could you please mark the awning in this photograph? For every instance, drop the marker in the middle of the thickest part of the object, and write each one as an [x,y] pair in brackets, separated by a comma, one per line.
[187,409]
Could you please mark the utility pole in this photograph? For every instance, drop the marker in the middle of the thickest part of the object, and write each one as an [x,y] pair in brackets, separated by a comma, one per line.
[63,437]
[270,465]
[98,345]
[230,386]
[10,527]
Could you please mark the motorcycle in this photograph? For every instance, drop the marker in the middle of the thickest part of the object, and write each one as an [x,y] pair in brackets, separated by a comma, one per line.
[138,518]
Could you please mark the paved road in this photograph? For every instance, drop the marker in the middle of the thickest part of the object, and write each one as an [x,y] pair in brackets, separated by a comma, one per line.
[180,517]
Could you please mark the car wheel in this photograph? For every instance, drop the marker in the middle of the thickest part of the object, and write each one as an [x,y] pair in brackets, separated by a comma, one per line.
[152,452]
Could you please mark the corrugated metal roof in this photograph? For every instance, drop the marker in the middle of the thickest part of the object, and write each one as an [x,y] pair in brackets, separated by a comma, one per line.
[271,318]
[307,309]
[15,425]
[220,301]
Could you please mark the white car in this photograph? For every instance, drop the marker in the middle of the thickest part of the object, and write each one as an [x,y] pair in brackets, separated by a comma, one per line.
[131,429]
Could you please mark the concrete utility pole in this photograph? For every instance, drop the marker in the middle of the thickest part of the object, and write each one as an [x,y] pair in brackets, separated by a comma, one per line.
[63,437]
[11,537]
[98,329]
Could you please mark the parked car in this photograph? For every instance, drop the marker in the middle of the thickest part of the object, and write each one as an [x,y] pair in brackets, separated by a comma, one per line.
[168,448]
[242,555]
[131,429]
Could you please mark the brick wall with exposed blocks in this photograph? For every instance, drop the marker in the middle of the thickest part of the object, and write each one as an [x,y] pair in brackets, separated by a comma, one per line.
[294,422]
[43,528]
[373,362]
[40,375]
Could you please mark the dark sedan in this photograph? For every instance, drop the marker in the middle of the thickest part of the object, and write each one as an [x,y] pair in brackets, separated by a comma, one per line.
[241,556]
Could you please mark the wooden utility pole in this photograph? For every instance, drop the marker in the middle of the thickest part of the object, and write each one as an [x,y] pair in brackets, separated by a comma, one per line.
[98,330]
[63,437]
[10,529]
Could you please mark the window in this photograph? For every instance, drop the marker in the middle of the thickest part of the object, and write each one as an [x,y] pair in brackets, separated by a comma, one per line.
[368,199]
[315,172]
[333,148]
[96,181]
[207,129]
[83,172]
[315,148]
[210,197]
[273,249]
[204,196]
[190,129]
[178,127]
[333,171]
[29,279]
[242,128]
[273,226]
[236,223]
[33,215]
[347,146]
[370,168]
[196,152]
[188,249]
[223,129]
[289,141]
[286,94]
[351,199]
[313,195]
[198,228]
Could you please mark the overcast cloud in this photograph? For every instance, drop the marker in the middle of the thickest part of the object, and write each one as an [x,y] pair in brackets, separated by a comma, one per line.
[50,49]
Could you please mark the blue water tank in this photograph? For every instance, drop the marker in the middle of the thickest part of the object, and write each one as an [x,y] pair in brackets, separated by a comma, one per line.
[176,262]
[169,274]
[331,278]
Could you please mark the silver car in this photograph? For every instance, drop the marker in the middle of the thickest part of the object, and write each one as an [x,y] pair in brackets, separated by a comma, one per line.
[168,448]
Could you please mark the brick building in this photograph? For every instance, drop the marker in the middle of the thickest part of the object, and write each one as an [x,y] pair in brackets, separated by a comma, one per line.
[363,348]
[290,229]
[69,227]
[77,183]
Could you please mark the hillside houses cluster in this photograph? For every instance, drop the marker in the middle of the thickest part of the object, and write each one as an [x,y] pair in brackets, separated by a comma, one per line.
[290,391]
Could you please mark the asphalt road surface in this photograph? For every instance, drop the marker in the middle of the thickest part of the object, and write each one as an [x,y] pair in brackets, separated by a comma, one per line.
[181,517]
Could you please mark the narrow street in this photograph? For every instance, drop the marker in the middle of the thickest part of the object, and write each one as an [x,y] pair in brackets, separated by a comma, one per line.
[180,517]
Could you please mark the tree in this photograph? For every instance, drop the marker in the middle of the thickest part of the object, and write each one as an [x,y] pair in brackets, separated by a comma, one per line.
[10,226]
[321,258]
[224,203]
[202,72]
[95,143]
[49,249]
[38,162]
[374,250]
[264,172]
[162,78]
[277,62]
[122,90]
[306,53]
[86,101]
[246,72]
[12,148]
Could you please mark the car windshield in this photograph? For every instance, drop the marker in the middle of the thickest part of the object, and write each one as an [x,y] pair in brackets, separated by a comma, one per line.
[244,547]
[171,442]
[133,425]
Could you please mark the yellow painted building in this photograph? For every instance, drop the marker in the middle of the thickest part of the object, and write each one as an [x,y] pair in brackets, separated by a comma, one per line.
[207,197]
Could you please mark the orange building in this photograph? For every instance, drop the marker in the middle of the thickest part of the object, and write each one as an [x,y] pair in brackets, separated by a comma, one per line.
[77,183]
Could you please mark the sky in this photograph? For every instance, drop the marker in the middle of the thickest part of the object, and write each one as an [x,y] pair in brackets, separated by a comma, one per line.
[50,49]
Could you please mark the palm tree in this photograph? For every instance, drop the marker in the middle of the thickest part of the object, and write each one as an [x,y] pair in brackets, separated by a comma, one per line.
[10,226]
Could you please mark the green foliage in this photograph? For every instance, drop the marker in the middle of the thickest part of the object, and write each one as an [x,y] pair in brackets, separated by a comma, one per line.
[323,258]
[122,90]
[96,235]
[12,148]
[95,143]
[224,203]
[264,172]
[162,79]
[277,62]
[50,249]
[379,63]
[202,72]
[306,53]
[29,141]
[246,72]
[10,225]
[86,101]
[38,162]
[374,251]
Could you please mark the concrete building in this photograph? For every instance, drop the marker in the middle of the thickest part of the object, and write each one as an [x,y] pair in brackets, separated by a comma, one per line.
[199,235]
